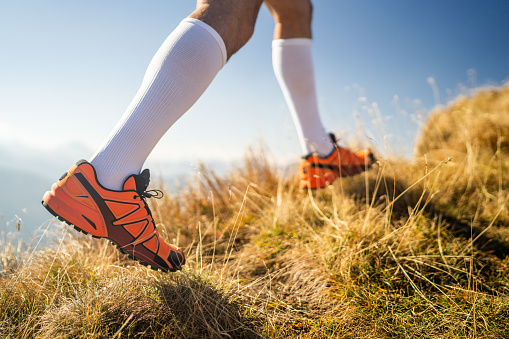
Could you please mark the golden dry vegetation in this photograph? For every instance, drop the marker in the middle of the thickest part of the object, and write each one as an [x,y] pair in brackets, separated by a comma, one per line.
[410,249]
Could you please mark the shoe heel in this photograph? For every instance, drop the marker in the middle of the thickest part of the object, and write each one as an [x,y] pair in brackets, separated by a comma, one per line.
[50,198]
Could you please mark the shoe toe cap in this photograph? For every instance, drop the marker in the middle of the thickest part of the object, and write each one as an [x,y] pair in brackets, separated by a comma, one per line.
[174,262]
[177,259]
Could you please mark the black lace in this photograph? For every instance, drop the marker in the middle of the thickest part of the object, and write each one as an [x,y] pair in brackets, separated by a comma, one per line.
[156,194]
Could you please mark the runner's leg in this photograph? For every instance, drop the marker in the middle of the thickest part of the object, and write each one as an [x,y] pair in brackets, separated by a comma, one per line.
[179,73]
[293,66]
[176,77]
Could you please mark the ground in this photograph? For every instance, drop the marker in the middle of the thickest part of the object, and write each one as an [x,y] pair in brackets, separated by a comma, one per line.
[409,249]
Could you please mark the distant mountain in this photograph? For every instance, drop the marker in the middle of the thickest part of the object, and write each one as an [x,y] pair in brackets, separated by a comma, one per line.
[21,196]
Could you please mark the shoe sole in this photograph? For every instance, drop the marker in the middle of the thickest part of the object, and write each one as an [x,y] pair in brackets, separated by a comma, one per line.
[120,248]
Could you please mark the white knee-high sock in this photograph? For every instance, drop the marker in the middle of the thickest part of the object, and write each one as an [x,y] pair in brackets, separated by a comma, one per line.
[179,73]
[293,66]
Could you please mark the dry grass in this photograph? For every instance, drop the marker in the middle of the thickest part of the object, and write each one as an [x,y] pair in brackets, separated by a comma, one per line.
[478,122]
[406,250]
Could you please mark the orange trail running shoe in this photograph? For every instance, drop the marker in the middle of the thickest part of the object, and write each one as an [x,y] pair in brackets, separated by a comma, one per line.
[120,216]
[317,171]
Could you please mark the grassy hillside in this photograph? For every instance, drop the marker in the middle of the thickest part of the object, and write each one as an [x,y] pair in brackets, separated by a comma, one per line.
[410,249]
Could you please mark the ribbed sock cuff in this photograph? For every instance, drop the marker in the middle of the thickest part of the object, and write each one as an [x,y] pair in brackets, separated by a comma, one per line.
[292,41]
[214,34]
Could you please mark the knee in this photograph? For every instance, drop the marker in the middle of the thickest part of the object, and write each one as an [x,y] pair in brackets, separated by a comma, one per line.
[244,25]
[234,20]
[239,28]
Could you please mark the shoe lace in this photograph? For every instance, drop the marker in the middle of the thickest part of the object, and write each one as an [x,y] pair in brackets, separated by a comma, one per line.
[154,193]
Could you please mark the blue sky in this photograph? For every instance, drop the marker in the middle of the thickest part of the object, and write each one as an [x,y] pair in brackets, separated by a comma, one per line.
[68,70]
